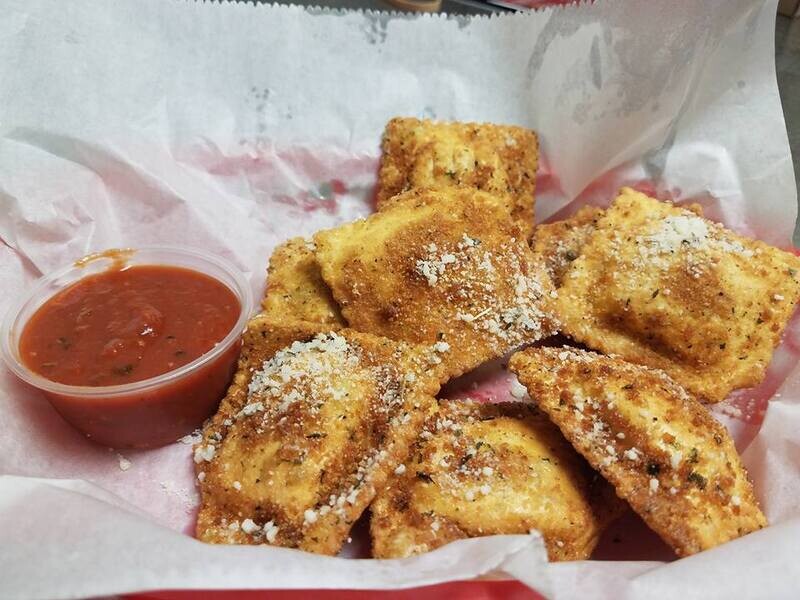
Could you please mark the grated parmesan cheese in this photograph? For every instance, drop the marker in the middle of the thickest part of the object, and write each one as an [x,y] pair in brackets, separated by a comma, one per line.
[675,459]
[204,453]
[631,454]
[249,526]
[270,531]
[441,347]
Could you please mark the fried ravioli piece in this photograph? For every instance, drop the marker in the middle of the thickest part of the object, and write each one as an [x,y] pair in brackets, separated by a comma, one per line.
[487,469]
[561,242]
[446,267]
[660,286]
[312,425]
[499,159]
[661,449]
[295,288]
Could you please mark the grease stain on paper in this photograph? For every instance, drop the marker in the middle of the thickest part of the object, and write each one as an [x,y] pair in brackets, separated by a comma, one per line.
[612,64]
[374,28]
[324,198]
[594,61]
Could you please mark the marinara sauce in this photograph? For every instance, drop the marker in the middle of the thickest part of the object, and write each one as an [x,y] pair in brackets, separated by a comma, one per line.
[126,325]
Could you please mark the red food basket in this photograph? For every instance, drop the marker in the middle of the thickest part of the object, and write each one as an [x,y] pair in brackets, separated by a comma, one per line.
[456,590]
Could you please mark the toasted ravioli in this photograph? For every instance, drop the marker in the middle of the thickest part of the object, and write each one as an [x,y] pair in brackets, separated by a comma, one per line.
[661,449]
[561,242]
[447,267]
[295,288]
[312,425]
[660,286]
[487,469]
[500,159]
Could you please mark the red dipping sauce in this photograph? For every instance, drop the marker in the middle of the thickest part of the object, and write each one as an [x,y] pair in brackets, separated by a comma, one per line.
[127,324]
[136,355]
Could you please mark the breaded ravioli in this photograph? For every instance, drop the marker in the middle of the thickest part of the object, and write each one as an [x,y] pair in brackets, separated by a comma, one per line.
[312,425]
[661,449]
[499,159]
[295,289]
[561,242]
[660,286]
[487,469]
[447,267]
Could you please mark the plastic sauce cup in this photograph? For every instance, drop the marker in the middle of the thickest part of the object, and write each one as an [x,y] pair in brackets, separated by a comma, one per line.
[151,412]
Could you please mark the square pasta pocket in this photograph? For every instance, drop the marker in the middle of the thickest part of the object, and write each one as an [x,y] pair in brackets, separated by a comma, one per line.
[315,421]
[661,286]
[447,267]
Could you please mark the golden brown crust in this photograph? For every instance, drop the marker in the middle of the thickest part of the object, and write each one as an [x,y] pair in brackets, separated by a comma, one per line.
[663,452]
[661,286]
[312,425]
[295,288]
[561,242]
[499,159]
[489,469]
[446,267]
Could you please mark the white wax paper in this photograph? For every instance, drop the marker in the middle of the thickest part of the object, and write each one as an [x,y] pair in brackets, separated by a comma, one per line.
[232,127]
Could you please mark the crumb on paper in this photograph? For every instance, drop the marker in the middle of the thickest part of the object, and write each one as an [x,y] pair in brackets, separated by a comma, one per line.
[179,492]
[124,463]
[190,439]
[731,411]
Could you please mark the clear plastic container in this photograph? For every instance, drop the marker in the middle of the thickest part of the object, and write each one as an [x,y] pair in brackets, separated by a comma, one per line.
[151,412]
